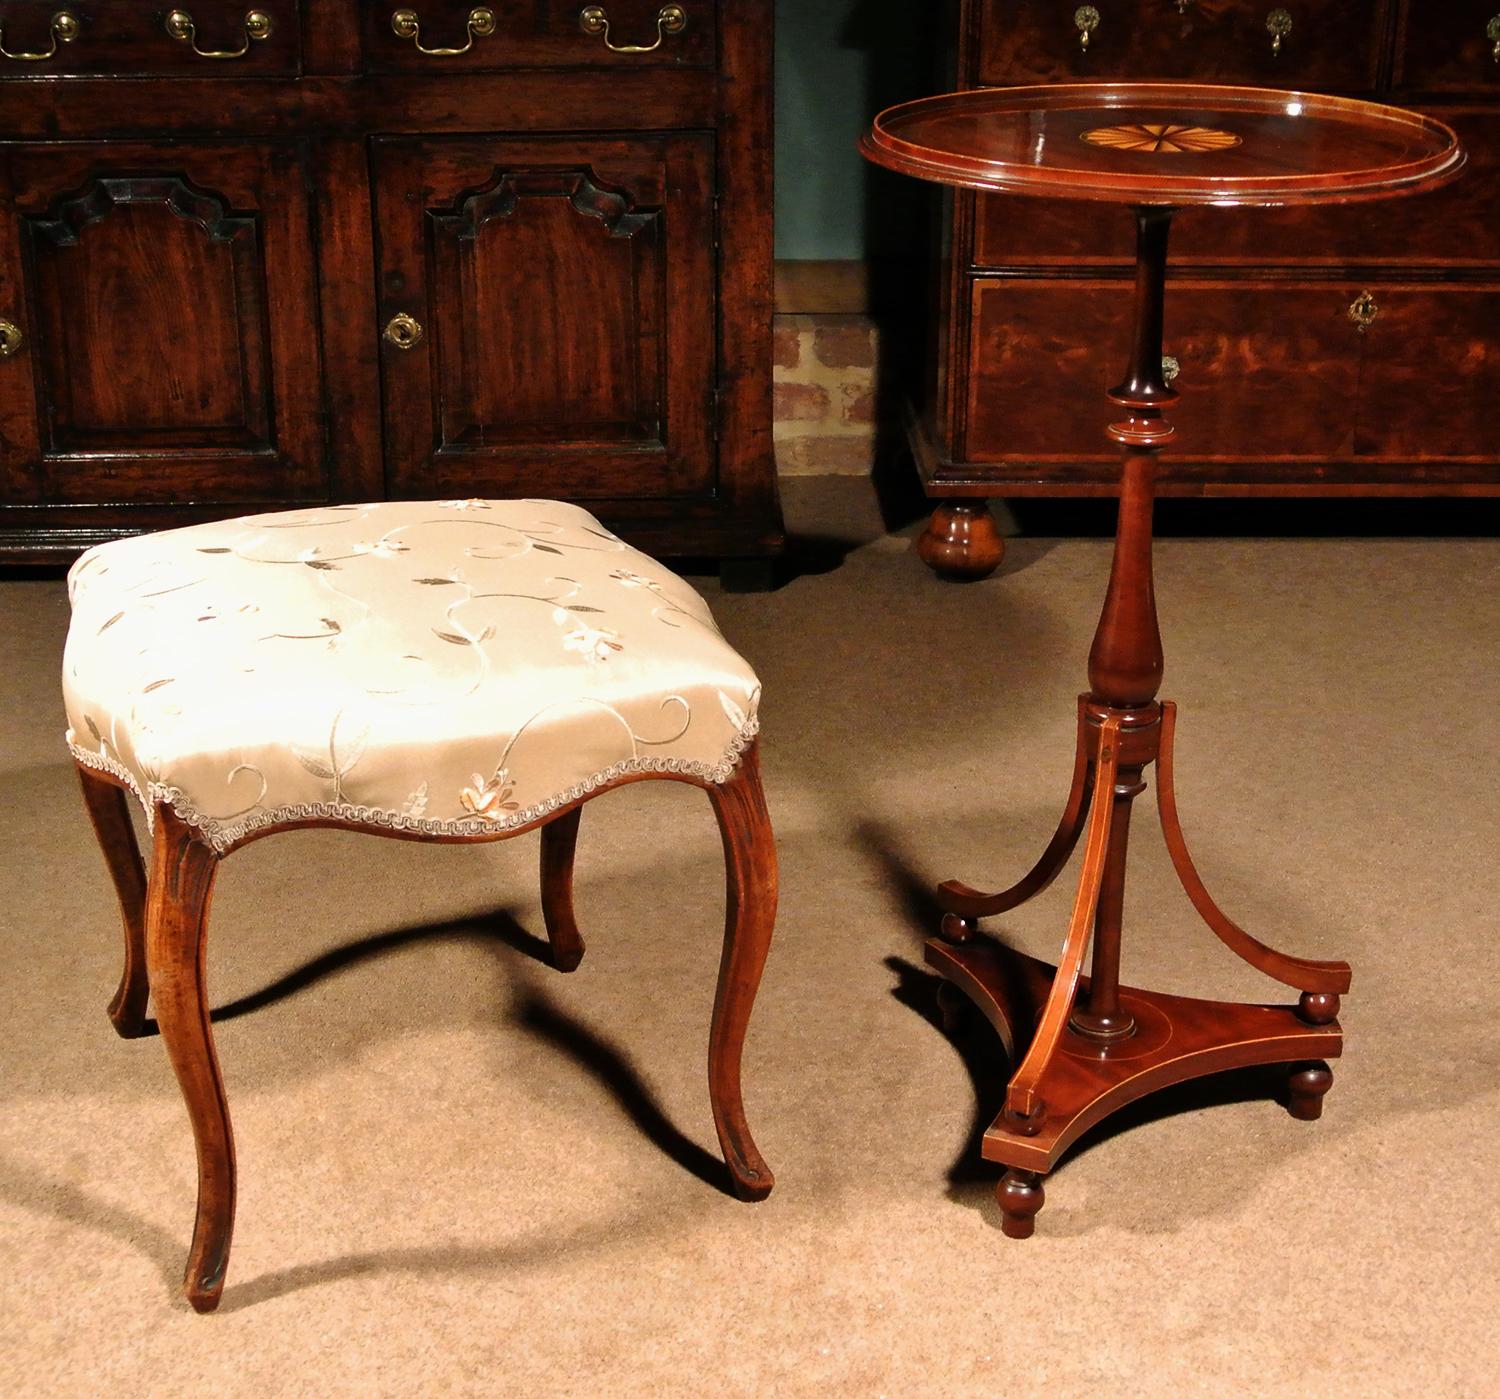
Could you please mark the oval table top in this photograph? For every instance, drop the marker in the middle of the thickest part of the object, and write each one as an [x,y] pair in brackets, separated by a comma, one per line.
[1166,144]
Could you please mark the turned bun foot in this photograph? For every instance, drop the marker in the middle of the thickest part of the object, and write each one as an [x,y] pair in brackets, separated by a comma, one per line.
[1306,1089]
[1020,1195]
[961,541]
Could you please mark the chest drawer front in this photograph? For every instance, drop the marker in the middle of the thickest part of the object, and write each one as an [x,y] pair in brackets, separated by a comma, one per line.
[1317,44]
[109,38]
[1268,372]
[430,36]
[1454,47]
[1458,224]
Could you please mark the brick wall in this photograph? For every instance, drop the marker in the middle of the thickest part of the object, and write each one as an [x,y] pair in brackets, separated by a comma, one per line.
[825,369]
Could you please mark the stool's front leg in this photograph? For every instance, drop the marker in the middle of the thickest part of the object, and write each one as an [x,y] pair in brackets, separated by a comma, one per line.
[750,915]
[180,889]
[109,810]
[559,841]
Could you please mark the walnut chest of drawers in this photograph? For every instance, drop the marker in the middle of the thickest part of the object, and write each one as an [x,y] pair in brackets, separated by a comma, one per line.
[1351,351]
[283,252]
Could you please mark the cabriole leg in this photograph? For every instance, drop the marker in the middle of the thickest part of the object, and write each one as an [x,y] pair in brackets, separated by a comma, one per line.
[180,890]
[109,810]
[559,842]
[750,915]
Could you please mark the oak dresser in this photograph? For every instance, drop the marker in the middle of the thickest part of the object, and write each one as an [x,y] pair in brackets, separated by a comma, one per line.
[1374,332]
[290,251]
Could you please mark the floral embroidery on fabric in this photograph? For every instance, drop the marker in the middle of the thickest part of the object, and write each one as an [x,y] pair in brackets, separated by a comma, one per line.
[370,664]
[490,798]
[593,642]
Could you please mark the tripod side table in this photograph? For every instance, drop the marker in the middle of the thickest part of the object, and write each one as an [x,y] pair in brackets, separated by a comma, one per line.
[1084,1045]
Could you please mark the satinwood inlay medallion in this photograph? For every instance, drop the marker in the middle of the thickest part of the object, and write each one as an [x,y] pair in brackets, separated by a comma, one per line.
[1162,138]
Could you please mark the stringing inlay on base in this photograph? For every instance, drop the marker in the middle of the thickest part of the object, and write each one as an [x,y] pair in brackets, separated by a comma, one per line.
[1167,138]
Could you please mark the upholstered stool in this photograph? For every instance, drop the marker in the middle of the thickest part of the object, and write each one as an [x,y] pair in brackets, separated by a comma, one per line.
[461,670]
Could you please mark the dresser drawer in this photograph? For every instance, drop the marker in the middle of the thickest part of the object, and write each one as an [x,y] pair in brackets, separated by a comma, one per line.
[1272,374]
[1330,45]
[202,39]
[1457,50]
[455,36]
[1268,371]
[1457,225]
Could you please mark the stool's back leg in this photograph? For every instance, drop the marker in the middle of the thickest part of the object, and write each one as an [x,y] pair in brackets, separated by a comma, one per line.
[559,841]
[182,880]
[750,916]
[109,810]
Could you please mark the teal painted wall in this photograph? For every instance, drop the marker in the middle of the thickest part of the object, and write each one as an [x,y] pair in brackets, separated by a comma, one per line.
[837,63]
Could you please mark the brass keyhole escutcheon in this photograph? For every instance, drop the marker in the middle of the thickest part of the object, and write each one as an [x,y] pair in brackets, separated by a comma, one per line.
[1086,19]
[1364,312]
[403,331]
[1278,25]
[11,339]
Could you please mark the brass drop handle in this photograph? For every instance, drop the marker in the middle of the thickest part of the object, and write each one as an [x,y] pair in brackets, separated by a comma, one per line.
[64,31]
[1086,20]
[1492,32]
[1279,25]
[11,339]
[1170,369]
[403,331]
[480,25]
[1364,312]
[670,19]
[257,27]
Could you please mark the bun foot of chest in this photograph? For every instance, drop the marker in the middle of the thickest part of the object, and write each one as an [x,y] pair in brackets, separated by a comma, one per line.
[961,541]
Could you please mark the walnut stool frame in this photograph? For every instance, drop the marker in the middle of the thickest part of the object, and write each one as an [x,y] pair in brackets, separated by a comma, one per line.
[166,924]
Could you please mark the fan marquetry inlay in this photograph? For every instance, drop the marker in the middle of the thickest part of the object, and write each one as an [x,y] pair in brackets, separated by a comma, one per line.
[1162,137]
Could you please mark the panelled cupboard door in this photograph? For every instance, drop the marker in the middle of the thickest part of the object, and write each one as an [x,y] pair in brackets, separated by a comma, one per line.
[547,315]
[164,343]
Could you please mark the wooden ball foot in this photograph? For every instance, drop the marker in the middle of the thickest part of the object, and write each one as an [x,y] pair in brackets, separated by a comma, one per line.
[1020,1195]
[956,928]
[1305,1090]
[1318,1007]
[961,541]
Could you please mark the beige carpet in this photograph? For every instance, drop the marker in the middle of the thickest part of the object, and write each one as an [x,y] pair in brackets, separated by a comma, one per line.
[461,1172]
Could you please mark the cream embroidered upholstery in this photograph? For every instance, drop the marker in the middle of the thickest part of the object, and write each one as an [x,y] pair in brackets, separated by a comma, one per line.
[449,667]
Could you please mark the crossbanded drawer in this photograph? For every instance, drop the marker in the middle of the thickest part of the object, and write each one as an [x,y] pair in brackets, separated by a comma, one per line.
[429,36]
[1457,51]
[1457,225]
[1327,45]
[122,38]
[1275,374]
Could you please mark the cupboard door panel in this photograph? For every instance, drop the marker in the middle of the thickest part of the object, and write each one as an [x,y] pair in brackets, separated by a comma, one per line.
[171,311]
[1269,372]
[565,289]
